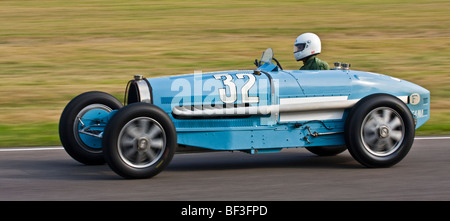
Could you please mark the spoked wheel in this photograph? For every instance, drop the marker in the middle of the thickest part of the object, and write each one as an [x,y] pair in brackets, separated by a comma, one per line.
[379,131]
[383,131]
[81,125]
[139,141]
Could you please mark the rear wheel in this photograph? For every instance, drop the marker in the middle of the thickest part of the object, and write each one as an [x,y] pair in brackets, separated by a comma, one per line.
[139,141]
[379,131]
[81,125]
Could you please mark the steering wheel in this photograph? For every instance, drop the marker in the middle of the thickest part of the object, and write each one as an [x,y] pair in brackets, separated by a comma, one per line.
[258,63]
[278,63]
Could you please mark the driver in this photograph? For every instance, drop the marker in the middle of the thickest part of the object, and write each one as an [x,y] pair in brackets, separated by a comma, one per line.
[306,47]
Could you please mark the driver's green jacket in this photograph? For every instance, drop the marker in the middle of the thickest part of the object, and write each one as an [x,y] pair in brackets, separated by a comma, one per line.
[313,63]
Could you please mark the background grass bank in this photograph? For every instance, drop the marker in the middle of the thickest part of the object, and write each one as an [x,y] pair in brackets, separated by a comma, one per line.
[52,50]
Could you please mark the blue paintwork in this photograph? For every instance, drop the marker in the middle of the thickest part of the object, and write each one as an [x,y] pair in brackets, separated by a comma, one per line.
[96,119]
[265,133]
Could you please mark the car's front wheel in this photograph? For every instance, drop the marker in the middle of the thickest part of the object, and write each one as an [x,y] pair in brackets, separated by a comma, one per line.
[81,125]
[139,141]
[379,131]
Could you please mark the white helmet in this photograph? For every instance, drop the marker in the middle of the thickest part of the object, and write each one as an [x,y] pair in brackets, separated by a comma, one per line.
[305,45]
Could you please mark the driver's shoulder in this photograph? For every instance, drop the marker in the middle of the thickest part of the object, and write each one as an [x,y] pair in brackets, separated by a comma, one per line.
[314,63]
[321,64]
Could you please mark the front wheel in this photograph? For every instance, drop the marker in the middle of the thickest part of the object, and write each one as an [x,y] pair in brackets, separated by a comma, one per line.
[139,141]
[379,131]
[81,125]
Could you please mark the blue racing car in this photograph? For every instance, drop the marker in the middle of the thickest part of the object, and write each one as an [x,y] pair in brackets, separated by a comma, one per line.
[371,115]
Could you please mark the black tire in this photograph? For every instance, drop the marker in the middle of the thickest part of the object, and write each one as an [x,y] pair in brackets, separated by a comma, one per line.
[379,131]
[139,141]
[327,150]
[68,132]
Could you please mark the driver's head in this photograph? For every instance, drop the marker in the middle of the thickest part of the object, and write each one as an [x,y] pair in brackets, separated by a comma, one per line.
[305,45]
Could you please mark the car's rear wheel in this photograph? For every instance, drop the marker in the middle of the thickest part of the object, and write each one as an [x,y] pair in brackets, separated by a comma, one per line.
[379,131]
[139,141]
[80,126]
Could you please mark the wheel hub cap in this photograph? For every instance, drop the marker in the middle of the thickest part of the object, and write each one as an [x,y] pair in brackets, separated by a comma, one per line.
[143,144]
[384,131]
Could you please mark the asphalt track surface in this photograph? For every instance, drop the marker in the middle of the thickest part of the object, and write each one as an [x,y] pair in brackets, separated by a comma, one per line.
[49,174]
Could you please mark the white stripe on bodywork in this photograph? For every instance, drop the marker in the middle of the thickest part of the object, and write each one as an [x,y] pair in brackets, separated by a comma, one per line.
[317,108]
[403,98]
[315,103]
[314,108]
[311,115]
[302,100]
[290,109]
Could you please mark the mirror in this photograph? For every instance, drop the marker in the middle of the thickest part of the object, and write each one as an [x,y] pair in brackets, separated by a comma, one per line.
[267,56]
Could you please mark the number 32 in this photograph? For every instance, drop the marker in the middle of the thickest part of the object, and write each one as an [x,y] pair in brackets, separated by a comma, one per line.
[228,82]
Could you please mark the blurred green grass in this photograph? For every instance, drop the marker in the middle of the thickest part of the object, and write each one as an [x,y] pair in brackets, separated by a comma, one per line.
[53,50]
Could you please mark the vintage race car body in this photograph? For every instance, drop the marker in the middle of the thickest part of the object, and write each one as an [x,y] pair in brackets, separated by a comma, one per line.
[267,109]
[318,100]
